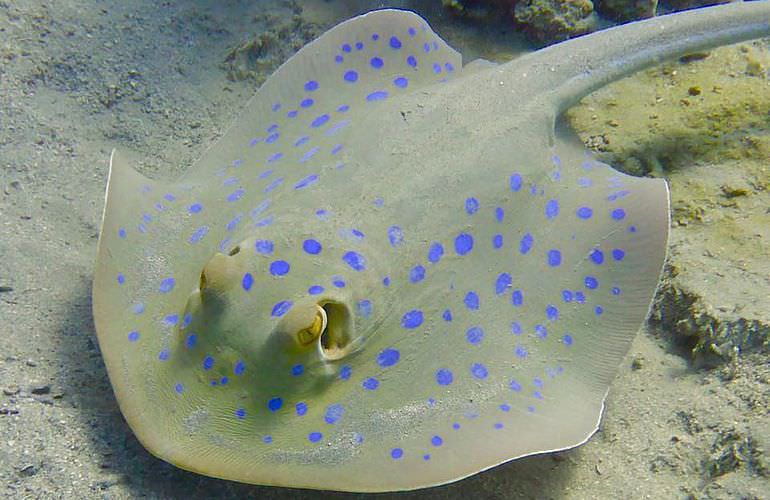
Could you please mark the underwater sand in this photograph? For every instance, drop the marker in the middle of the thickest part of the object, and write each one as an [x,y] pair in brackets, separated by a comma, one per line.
[85,76]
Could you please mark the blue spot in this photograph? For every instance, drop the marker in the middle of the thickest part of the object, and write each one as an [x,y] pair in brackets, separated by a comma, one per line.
[541,331]
[551,312]
[395,43]
[365,308]
[263,246]
[479,371]
[551,209]
[596,256]
[133,336]
[618,214]
[179,388]
[350,76]
[584,212]
[307,181]
[338,282]
[247,281]
[411,61]
[598,310]
[300,408]
[516,328]
[463,243]
[521,351]
[554,257]
[566,295]
[370,384]
[314,437]
[334,413]
[396,453]
[208,363]
[315,290]
[224,380]
[292,114]
[343,108]
[444,377]
[311,246]
[631,229]
[417,274]
[192,339]
[388,357]
[235,195]
[505,407]
[279,267]
[375,36]
[167,285]
[163,355]
[320,121]
[346,47]
[412,31]
[306,103]
[275,404]
[580,297]
[618,254]
[474,335]
[449,67]
[436,68]
[336,149]
[345,372]
[171,319]
[499,425]
[436,441]
[376,62]
[271,139]
[435,252]
[395,236]
[412,319]
[426,457]
[297,370]
[121,233]
[525,245]
[386,281]
[471,206]
[515,386]
[471,301]
[455,426]
[499,214]
[122,279]
[355,260]
[615,290]
[240,413]
[591,282]
[281,308]
[401,82]
[426,47]
[311,85]
[377,95]
[567,339]
[503,282]
[516,182]
[517,298]
[233,223]
[447,315]
[267,439]
[497,241]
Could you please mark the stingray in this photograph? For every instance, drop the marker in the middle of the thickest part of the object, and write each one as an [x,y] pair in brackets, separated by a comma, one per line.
[393,271]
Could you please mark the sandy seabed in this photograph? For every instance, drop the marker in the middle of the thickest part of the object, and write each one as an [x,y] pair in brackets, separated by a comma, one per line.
[78,78]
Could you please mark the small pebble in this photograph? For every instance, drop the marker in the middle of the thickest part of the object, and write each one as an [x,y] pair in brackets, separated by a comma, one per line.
[11,390]
[39,389]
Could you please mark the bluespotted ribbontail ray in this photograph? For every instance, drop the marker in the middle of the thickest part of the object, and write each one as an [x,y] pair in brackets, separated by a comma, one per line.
[392,271]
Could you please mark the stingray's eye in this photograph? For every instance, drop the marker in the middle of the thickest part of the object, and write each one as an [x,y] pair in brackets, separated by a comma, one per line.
[234,251]
[308,335]
[202,281]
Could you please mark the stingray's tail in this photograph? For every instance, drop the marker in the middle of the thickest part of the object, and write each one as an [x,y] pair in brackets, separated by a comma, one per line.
[582,65]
